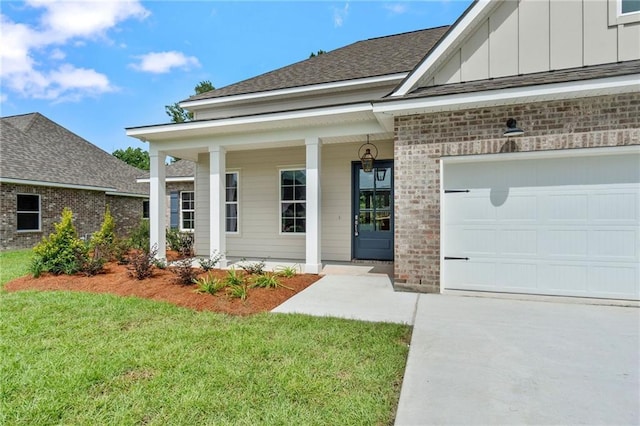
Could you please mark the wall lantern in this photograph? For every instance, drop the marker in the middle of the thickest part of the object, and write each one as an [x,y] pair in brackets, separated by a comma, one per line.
[513,129]
[366,157]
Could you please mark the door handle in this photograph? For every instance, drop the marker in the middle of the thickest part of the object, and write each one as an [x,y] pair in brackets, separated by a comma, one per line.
[355,225]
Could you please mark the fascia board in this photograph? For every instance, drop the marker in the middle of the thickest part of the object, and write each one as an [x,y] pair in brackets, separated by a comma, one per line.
[54,184]
[292,91]
[149,131]
[553,91]
[127,194]
[442,49]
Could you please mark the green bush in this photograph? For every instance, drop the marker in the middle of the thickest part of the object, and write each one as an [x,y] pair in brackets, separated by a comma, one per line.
[209,284]
[210,263]
[62,252]
[139,237]
[105,238]
[182,242]
[184,271]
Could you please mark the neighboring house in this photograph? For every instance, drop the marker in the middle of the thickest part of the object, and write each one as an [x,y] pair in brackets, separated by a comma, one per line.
[453,200]
[45,167]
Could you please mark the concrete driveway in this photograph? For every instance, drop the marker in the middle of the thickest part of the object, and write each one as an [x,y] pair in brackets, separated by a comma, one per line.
[478,360]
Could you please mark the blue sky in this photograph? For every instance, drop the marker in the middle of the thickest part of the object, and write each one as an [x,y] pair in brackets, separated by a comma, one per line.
[96,67]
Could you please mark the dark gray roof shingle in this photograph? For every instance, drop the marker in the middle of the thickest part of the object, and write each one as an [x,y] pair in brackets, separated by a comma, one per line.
[547,77]
[34,148]
[368,58]
[181,168]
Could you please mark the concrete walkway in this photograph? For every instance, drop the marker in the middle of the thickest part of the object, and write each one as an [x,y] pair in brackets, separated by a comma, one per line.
[484,360]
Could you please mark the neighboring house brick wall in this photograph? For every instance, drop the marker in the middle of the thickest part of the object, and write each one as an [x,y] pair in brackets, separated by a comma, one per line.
[87,206]
[420,141]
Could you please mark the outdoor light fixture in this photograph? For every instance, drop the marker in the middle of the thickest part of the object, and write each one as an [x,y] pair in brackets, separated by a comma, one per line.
[367,158]
[513,129]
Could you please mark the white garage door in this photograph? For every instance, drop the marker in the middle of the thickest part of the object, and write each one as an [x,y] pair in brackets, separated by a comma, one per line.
[557,226]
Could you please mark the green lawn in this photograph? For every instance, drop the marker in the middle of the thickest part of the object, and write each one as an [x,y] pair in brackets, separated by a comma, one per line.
[75,358]
[13,264]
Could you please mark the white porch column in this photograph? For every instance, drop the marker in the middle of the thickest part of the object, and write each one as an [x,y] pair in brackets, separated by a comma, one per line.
[313,263]
[157,201]
[217,227]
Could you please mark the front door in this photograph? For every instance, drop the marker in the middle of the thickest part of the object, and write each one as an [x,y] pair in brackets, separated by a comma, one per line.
[373,212]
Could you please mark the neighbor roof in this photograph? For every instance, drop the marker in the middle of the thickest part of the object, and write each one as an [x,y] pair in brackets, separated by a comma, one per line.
[374,57]
[181,168]
[34,148]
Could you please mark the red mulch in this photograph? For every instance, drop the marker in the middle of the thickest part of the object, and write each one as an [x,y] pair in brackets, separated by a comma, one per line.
[162,286]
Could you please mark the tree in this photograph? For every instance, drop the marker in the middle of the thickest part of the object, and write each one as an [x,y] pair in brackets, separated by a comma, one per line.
[177,113]
[320,52]
[134,157]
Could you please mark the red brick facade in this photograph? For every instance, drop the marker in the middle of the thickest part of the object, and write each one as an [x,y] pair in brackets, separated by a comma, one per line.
[420,141]
[87,206]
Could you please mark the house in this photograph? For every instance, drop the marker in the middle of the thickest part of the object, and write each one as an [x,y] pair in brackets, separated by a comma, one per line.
[45,167]
[507,153]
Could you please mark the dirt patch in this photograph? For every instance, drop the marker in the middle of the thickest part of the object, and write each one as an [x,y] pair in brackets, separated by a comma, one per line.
[162,286]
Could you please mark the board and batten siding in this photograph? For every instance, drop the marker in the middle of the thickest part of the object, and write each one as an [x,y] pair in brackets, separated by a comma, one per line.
[259,221]
[529,36]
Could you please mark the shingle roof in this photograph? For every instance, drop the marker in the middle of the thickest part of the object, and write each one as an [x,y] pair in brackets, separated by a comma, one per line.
[368,58]
[181,168]
[34,148]
[547,77]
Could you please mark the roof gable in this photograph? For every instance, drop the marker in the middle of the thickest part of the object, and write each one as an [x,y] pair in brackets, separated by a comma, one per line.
[35,148]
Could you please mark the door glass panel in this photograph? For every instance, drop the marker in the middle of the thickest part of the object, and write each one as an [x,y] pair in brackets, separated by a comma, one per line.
[366,200]
[383,199]
[366,221]
[383,220]
[383,177]
[366,180]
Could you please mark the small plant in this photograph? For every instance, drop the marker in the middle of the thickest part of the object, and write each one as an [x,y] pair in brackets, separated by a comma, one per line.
[238,291]
[173,238]
[94,264]
[139,237]
[211,262]
[268,281]
[182,242]
[253,268]
[105,238]
[160,263]
[234,278]
[141,263]
[287,271]
[184,271]
[61,252]
[121,248]
[209,284]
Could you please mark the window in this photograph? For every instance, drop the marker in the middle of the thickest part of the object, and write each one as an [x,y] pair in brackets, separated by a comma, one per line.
[293,196]
[187,211]
[145,209]
[231,201]
[629,6]
[28,212]
[624,12]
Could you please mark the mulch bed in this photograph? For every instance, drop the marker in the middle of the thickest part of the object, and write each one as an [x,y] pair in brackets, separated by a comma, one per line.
[163,286]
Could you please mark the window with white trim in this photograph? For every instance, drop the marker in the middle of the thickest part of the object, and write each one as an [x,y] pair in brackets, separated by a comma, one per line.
[28,212]
[187,211]
[231,203]
[623,12]
[293,201]
[629,6]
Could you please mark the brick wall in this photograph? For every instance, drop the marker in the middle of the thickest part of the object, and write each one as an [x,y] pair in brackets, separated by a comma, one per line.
[420,141]
[87,206]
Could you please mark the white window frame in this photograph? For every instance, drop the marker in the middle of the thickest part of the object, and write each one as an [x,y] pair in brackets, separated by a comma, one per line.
[616,17]
[237,202]
[181,224]
[280,201]
[18,212]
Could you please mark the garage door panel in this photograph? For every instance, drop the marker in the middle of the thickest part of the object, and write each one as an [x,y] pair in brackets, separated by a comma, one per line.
[563,226]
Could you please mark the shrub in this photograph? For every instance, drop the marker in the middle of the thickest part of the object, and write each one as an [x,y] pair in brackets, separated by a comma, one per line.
[139,237]
[211,262]
[184,271]
[62,252]
[160,263]
[238,291]
[182,242]
[268,281]
[209,284]
[287,271]
[94,264]
[234,278]
[253,268]
[173,239]
[121,249]
[105,238]
[141,263]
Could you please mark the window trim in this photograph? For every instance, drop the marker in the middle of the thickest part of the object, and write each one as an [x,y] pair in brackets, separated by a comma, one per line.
[181,223]
[237,202]
[616,17]
[30,212]
[286,169]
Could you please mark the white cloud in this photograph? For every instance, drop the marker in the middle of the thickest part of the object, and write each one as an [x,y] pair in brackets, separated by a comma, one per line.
[163,62]
[396,8]
[339,15]
[27,70]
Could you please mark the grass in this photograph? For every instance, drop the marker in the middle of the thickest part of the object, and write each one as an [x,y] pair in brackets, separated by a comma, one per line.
[14,264]
[77,358]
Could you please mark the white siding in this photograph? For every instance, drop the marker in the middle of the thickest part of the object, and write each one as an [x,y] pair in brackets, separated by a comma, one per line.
[528,36]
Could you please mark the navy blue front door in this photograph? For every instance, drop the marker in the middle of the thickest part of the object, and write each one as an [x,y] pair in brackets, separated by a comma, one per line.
[373,212]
